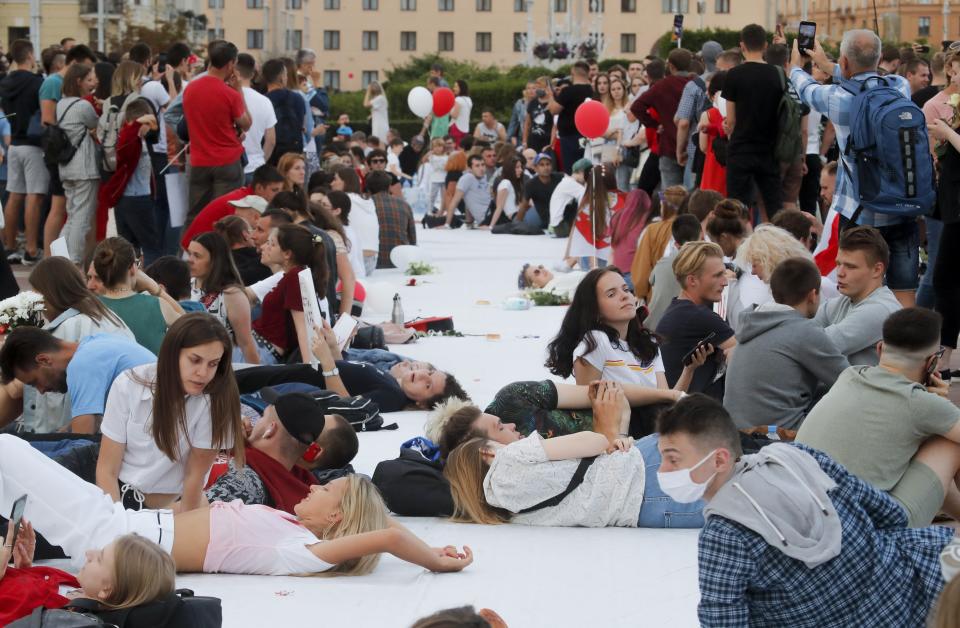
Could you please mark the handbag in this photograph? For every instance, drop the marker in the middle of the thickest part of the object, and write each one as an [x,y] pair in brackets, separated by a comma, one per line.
[58,150]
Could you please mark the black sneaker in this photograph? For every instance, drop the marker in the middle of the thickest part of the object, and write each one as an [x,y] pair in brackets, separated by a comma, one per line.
[30,260]
[15,257]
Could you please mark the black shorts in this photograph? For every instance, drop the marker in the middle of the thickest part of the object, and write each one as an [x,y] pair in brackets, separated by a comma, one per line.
[56,185]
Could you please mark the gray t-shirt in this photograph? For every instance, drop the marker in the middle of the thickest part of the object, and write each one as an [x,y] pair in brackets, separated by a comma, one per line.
[856,329]
[665,288]
[873,421]
[476,195]
[76,120]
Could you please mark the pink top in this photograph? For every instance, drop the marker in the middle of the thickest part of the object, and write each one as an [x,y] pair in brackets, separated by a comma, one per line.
[938,107]
[258,540]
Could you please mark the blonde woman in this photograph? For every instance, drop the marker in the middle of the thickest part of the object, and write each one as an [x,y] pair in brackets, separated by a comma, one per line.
[376,101]
[340,528]
[616,100]
[757,257]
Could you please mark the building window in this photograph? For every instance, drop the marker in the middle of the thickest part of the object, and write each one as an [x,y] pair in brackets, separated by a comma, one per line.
[408,5]
[519,6]
[675,6]
[371,5]
[254,39]
[628,6]
[484,42]
[483,5]
[445,5]
[559,6]
[596,6]
[371,40]
[518,42]
[369,76]
[214,34]
[445,41]
[331,40]
[721,6]
[294,39]
[332,5]
[628,42]
[295,4]
[254,4]
[923,27]
[331,79]
[408,40]
[214,4]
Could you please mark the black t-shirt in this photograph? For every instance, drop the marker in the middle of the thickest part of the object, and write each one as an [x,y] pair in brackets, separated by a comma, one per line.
[921,97]
[755,88]
[571,97]
[379,386]
[539,194]
[248,263]
[683,325]
[541,124]
[409,160]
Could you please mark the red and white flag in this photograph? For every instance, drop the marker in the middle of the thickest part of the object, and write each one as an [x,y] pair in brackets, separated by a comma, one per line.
[825,255]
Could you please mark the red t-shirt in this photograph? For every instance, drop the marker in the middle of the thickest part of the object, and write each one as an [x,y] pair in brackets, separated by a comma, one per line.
[272,323]
[211,108]
[216,209]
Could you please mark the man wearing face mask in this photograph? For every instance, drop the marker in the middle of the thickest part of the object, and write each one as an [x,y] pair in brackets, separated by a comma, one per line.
[791,537]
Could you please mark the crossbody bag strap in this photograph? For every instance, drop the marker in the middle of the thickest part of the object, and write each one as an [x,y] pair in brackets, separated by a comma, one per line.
[575,481]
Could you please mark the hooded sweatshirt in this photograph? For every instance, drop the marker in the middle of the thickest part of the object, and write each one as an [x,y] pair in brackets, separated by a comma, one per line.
[20,95]
[781,358]
[781,494]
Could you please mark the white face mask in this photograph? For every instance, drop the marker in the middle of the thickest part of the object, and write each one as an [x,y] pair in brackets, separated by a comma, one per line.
[679,485]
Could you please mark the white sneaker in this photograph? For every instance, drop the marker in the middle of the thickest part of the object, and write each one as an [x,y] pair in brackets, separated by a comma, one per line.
[561,267]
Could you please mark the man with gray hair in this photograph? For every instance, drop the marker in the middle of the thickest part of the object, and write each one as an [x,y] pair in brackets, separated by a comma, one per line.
[859,57]
[892,424]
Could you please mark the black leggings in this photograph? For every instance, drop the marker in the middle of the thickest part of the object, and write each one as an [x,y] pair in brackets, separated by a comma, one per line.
[945,275]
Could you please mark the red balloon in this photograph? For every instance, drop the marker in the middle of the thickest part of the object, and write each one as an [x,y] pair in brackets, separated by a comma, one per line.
[442,101]
[592,118]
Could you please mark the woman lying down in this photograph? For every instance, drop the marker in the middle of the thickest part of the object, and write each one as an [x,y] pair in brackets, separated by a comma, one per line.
[339,529]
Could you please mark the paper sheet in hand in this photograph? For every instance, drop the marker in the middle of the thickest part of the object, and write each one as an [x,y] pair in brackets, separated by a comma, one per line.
[177,197]
[58,248]
[311,309]
[344,327]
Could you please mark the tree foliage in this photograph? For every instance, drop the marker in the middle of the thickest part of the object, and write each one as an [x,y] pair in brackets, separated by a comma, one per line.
[166,34]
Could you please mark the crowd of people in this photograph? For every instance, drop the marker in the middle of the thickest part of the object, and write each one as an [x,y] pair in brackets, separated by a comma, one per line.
[756,349]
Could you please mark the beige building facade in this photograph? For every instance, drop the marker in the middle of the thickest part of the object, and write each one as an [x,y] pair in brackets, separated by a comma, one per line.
[898,20]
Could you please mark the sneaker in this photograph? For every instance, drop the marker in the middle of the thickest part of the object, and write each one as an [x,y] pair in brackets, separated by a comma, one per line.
[15,257]
[30,260]
[561,266]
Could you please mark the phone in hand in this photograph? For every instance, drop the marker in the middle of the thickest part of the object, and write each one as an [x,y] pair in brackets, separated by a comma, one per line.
[928,379]
[15,516]
[688,358]
[162,63]
[806,36]
[922,49]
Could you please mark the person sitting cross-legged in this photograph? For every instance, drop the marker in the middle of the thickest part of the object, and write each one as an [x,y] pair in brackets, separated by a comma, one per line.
[891,424]
[791,537]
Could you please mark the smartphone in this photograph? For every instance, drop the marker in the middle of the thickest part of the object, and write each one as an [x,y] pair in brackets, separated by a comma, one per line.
[806,36]
[923,49]
[15,516]
[162,63]
[933,366]
[688,358]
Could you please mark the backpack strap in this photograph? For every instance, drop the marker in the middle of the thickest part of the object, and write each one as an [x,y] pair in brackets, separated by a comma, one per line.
[575,481]
[69,107]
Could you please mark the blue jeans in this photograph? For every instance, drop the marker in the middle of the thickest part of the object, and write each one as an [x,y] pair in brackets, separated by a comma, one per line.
[925,295]
[585,263]
[532,218]
[658,510]
[380,358]
[671,172]
[904,242]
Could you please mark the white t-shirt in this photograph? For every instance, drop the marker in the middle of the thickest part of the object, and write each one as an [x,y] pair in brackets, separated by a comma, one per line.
[567,190]
[379,121]
[463,117]
[393,163]
[355,252]
[488,134]
[813,132]
[611,494]
[127,419]
[160,98]
[510,205]
[262,117]
[617,363]
[363,219]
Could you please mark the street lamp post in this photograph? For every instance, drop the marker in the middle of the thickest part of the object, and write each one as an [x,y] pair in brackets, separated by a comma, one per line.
[946,20]
[530,42]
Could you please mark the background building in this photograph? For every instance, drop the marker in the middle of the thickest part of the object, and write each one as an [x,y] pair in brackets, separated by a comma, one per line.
[898,20]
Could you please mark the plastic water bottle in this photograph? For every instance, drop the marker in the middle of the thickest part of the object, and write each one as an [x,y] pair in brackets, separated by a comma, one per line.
[772,432]
[397,315]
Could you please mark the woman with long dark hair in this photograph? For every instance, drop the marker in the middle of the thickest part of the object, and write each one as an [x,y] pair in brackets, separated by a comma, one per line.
[216,284]
[510,194]
[164,423]
[590,235]
[282,328]
[602,337]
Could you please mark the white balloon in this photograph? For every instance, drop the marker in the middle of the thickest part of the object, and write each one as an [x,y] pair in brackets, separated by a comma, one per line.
[420,101]
[401,256]
[379,298]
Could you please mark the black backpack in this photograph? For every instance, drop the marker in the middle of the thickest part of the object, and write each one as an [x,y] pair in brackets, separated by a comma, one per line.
[58,150]
[414,486]
[181,609]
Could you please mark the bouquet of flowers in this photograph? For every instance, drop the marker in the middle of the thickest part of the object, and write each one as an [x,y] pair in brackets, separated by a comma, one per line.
[547,297]
[25,308]
[420,268]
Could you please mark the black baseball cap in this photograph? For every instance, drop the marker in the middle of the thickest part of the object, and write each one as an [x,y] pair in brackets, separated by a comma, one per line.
[300,414]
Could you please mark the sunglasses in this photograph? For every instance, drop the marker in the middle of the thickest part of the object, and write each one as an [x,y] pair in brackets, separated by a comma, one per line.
[378,161]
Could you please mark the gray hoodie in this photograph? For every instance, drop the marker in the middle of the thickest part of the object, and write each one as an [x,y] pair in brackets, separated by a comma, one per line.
[780,359]
[781,494]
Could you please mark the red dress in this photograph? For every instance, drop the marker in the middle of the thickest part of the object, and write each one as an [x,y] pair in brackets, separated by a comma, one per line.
[714,175]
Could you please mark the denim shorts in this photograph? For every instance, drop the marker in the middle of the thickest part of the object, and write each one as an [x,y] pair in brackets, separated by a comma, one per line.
[903,272]
[658,510]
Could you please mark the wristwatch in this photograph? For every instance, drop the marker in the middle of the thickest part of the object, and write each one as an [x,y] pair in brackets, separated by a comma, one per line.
[335,372]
